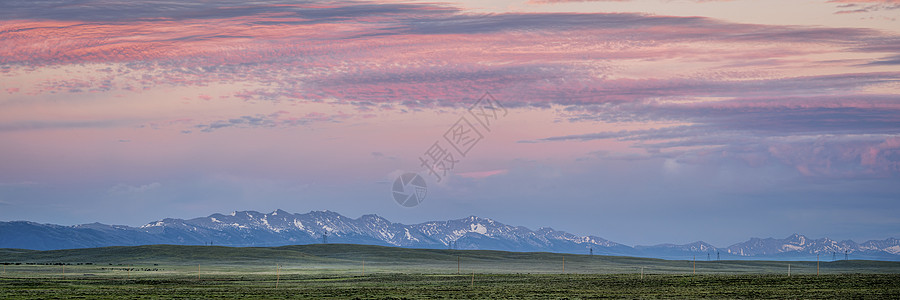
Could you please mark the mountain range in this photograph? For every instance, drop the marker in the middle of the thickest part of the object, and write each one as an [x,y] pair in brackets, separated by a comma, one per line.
[251,228]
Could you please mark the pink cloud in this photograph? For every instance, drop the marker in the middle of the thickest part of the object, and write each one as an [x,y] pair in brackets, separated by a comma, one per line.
[864,1]
[877,156]
[595,66]
[841,158]
[571,1]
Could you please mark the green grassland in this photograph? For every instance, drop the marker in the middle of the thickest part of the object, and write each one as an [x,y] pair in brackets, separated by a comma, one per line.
[375,272]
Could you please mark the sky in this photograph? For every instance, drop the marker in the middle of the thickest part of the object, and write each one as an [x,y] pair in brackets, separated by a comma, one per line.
[642,122]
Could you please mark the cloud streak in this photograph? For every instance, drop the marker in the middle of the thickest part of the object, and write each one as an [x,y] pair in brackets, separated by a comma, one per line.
[273,120]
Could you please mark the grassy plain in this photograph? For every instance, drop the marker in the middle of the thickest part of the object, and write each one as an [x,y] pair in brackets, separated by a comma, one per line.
[374,272]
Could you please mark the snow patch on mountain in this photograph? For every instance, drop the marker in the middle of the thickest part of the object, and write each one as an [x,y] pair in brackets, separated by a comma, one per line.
[477,228]
[893,249]
[154,224]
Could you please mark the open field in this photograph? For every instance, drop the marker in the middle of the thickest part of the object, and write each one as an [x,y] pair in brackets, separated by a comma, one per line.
[373,272]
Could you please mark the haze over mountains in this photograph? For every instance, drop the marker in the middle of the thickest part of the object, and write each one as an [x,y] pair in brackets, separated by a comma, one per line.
[250,228]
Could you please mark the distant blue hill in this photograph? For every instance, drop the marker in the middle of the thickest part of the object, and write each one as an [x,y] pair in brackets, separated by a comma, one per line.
[250,228]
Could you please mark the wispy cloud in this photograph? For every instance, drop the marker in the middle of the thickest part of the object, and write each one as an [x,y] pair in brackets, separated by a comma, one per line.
[121,189]
[273,120]
[887,61]
[483,174]
[48,125]
[843,140]
[865,6]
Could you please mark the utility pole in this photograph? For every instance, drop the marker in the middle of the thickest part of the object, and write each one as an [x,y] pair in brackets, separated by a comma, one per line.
[717,255]
[277,275]
[457,265]
[817,264]
[695,265]
[789,270]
